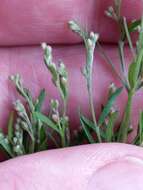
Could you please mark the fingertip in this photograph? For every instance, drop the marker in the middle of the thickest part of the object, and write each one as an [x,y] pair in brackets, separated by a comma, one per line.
[126,173]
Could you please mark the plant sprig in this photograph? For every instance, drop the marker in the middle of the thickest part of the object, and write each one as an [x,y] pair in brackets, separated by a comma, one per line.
[30,129]
[90,41]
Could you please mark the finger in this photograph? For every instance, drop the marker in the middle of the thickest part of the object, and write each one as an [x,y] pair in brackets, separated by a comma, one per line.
[29,63]
[87,167]
[46,21]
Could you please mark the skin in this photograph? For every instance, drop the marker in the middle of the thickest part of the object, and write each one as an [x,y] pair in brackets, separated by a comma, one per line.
[102,166]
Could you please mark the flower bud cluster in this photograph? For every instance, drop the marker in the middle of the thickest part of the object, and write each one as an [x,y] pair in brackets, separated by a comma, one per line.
[18,138]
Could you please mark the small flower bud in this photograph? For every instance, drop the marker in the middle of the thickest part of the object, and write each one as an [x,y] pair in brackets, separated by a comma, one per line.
[15,140]
[110,9]
[108,14]
[62,66]
[24,125]
[20,114]
[54,104]
[131,127]
[18,120]
[139,29]
[55,118]
[112,88]
[12,77]
[6,141]
[96,37]
[44,45]
[64,81]
[74,26]
[47,48]
[92,35]
[17,134]
[90,43]
[112,110]
[17,127]
[17,149]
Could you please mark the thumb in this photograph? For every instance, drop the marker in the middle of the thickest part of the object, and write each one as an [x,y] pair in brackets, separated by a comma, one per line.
[99,167]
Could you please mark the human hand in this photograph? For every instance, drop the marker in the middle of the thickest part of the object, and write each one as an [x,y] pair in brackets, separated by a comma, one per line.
[40,25]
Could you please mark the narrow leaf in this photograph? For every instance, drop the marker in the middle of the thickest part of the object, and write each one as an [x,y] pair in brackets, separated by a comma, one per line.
[10,126]
[132,27]
[108,106]
[6,147]
[110,126]
[49,123]
[40,100]
[86,130]
[134,70]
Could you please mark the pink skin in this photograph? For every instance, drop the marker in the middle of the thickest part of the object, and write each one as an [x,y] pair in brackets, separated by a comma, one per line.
[104,166]
[88,167]
[47,21]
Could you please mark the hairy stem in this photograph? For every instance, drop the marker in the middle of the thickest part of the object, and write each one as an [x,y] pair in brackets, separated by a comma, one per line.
[90,57]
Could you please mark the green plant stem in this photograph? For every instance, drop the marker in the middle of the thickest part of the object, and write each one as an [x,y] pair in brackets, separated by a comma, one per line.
[63,140]
[128,37]
[64,108]
[89,60]
[32,145]
[123,133]
[62,134]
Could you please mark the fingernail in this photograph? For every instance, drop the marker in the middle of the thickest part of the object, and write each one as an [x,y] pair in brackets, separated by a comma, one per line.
[125,174]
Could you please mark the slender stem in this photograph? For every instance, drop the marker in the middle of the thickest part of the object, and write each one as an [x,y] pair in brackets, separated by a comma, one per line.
[122,62]
[122,57]
[128,37]
[63,140]
[32,146]
[123,133]
[62,134]
[63,98]
[64,107]
[89,68]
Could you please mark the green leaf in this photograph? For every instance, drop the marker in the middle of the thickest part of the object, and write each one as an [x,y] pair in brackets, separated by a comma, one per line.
[43,145]
[64,90]
[40,100]
[53,139]
[127,33]
[110,126]
[132,27]
[28,94]
[134,70]
[86,128]
[108,106]
[10,126]
[131,74]
[140,40]
[49,123]
[6,147]
[92,126]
